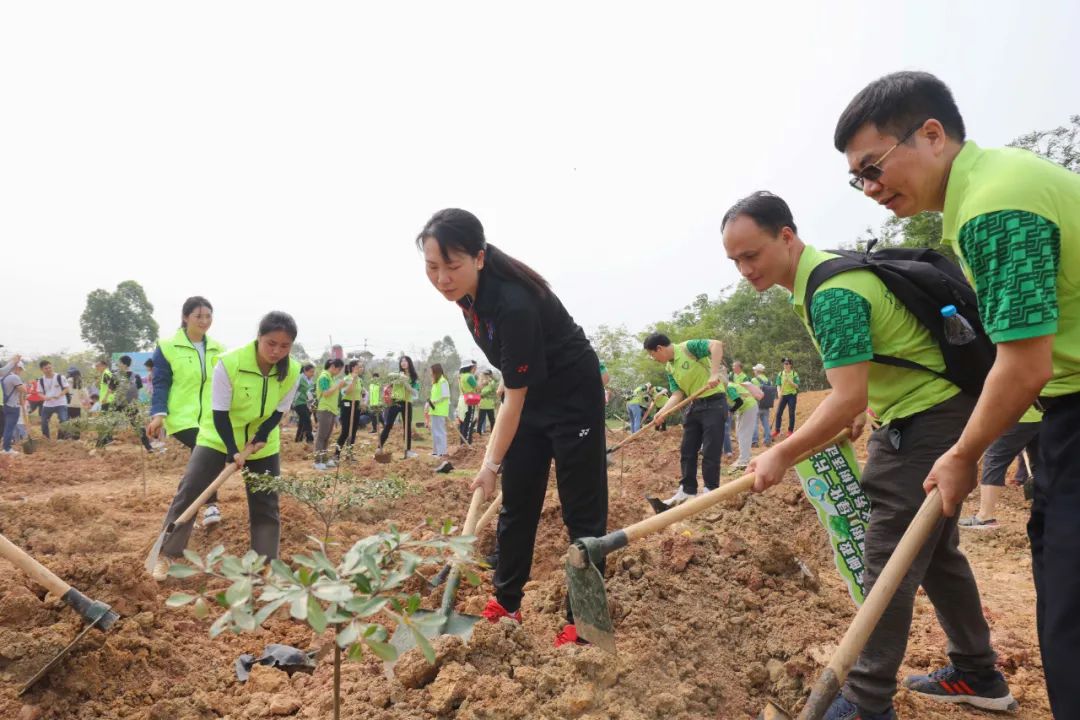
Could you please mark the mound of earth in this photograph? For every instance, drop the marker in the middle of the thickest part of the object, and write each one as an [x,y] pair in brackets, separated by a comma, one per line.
[713,616]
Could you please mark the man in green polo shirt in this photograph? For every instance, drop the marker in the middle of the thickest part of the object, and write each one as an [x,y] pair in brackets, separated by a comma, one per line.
[1014,219]
[691,366]
[854,317]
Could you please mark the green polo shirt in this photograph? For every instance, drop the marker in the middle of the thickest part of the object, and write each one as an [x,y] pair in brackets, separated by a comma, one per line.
[855,316]
[1014,220]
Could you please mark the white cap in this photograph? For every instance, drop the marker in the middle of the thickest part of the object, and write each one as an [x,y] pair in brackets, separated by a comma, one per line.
[759,366]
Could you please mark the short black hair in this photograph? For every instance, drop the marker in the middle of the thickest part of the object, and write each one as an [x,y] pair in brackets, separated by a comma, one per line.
[307,366]
[769,211]
[898,102]
[43,363]
[125,360]
[333,362]
[149,364]
[656,340]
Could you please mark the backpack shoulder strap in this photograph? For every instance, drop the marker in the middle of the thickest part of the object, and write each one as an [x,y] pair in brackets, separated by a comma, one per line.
[846,260]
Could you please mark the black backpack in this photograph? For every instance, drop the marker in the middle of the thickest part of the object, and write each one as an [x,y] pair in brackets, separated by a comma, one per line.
[769,391]
[924,281]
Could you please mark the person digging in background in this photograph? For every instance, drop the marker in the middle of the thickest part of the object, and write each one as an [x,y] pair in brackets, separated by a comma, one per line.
[351,394]
[1024,435]
[486,418]
[127,398]
[14,397]
[439,408]
[328,392]
[690,367]
[468,400]
[183,374]
[787,380]
[305,397]
[745,418]
[375,403]
[1013,219]
[853,319]
[765,404]
[554,398]
[55,402]
[404,389]
[253,387]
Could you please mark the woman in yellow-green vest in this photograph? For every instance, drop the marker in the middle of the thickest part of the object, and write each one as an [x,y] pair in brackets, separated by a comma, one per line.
[469,398]
[406,390]
[351,394]
[488,386]
[253,386]
[328,398]
[439,407]
[374,401]
[183,369]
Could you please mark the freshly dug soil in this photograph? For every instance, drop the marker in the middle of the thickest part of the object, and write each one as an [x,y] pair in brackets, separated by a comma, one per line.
[713,616]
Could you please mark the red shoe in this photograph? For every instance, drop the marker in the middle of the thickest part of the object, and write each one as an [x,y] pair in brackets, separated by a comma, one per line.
[775,433]
[569,635]
[494,612]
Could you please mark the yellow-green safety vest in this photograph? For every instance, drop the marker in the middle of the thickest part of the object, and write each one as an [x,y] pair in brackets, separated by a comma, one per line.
[104,391]
[440,397]
[255,397]
[331,403]
[355,391]
[191,388]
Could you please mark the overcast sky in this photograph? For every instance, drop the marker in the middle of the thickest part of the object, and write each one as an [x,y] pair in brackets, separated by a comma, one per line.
[284,155]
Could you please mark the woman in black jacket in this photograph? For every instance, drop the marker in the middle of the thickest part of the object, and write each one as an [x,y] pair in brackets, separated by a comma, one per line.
[554,404]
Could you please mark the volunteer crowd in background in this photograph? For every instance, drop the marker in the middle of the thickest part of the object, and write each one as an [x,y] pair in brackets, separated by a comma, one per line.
[1012,219]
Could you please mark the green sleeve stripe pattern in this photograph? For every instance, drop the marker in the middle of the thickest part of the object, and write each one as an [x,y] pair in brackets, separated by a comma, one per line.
[673,387]
[698,348]
[1014,256]
[842,326]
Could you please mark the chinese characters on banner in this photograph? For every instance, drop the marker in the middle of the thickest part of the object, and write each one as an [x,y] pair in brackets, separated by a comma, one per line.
[830,480]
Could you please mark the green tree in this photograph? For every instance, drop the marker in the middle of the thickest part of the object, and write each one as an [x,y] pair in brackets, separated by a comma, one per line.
[119,321]
[1060,145]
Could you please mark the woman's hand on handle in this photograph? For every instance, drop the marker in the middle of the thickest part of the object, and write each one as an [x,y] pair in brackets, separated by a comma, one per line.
[241,457]
[485,479]
[154,426]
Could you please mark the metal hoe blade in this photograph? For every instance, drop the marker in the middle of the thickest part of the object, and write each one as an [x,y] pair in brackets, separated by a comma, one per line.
[105,617]
[772,711]
[588,599]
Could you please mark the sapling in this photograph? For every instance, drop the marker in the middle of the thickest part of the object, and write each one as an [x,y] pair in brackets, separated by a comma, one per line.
[356,597]
[330,495]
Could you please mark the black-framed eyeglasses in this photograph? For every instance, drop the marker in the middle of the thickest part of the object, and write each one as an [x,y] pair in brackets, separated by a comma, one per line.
[873,171]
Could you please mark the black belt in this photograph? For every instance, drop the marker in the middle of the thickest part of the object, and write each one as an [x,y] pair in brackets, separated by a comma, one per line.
[1044,403]
[706,401]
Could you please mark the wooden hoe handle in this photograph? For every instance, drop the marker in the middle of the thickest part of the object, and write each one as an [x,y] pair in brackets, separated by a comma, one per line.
[681,404]
[39,573]
[706,501]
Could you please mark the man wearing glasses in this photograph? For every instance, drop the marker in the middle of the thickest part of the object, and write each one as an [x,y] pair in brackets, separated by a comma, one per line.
[1014,219]
[852,318]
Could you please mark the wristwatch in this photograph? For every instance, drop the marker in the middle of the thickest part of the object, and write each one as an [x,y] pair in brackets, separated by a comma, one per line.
[493,467]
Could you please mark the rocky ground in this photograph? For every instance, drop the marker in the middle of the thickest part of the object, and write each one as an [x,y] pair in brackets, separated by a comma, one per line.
[713,616]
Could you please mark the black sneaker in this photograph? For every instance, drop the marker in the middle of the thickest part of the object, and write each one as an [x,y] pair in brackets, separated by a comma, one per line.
[987,690]
[844,709]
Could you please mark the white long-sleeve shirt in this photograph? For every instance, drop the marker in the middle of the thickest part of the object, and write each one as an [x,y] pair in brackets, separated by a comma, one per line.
[222,392]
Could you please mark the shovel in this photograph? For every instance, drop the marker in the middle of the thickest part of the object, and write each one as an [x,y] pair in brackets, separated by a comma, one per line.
[155,551]
[97,614]
[28,445]
[588,598]
[493,509]
[866,619]
[449,622]
[682,403]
